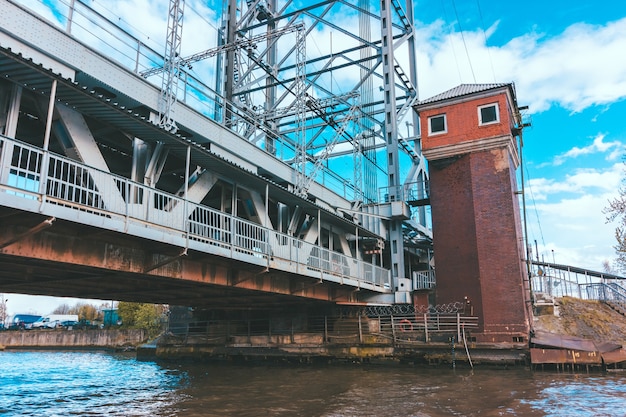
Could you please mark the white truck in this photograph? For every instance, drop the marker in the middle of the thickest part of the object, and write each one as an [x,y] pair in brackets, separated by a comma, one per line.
[52,321]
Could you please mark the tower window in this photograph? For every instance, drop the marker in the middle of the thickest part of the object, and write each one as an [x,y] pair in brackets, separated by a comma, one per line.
[437,124]
[488,114]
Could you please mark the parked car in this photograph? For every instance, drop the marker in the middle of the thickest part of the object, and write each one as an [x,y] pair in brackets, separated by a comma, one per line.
[68,324]
[53,321]
[23,321]
[86,325]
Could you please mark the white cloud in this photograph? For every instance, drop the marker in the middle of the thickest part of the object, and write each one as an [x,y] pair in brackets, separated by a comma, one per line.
[582,181]
[577,228]
[570,214]
[583,66]
[597,146]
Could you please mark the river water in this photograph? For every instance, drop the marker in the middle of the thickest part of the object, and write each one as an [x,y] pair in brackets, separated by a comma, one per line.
[77,383]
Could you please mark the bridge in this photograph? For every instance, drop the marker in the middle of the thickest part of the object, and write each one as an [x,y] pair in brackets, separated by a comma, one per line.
[117,185]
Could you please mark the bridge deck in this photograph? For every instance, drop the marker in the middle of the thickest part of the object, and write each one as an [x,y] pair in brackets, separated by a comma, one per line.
[39,182]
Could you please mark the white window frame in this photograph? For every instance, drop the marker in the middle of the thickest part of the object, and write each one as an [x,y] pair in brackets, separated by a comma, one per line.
[445,125]
[480,118]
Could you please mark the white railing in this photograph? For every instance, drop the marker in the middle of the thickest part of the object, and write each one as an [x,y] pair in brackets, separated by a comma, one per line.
[414,191]
[110,36]
[42,181]
[424,280]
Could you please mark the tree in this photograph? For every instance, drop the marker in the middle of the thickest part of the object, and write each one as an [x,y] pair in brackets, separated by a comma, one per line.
[86,311]
[62,309]
[616,211]
[142,316]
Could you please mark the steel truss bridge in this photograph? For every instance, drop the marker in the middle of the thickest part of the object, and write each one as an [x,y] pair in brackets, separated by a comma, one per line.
[242,196]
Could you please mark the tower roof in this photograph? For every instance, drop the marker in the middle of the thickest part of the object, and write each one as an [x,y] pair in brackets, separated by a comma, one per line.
[463,90]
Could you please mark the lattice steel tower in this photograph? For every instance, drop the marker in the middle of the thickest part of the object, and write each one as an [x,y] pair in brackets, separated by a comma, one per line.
[326,88]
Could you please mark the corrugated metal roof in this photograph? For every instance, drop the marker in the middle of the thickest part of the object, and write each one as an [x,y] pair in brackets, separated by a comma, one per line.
[462,90]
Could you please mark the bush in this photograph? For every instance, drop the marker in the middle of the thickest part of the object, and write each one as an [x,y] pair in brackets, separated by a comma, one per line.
[142,316]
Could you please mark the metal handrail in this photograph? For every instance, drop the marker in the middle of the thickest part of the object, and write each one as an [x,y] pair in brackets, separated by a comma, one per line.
[328,329]
[42,180]
[117,42]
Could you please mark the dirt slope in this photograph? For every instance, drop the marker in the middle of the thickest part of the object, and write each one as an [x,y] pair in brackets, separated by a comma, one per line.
[584,318]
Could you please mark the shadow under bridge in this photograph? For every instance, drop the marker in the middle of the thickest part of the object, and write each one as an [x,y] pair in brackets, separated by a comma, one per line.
[63,235]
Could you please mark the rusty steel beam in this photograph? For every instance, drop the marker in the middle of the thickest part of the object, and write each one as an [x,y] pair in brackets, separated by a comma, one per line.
[71,261]
[560,356]
[166,261]
[33,230]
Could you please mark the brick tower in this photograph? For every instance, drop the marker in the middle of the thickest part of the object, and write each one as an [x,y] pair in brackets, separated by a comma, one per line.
[469,139]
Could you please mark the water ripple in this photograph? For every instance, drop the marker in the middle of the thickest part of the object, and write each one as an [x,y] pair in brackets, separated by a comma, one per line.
[37,383]
[43,383]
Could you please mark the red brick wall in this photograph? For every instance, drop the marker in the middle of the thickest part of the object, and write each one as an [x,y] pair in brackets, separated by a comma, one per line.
[462,120]
[454,232]
[500,264]
[477,240]
[476,221]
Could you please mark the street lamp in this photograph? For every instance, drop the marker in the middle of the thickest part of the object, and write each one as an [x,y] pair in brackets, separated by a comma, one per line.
[3,309]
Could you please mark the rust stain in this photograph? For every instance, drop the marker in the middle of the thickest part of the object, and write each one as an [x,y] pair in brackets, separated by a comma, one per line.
[554,356]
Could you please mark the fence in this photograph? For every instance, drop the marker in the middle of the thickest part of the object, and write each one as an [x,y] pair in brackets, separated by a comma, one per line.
[337,330]
[567,281]
[102,29]
[47,182]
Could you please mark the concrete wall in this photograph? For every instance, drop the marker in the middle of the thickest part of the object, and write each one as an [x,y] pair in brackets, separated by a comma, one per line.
[72,338]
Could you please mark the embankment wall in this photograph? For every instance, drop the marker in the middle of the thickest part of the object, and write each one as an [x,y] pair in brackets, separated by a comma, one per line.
[106,338]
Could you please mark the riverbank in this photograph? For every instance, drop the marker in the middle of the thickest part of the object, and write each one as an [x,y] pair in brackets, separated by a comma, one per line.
[588,319]
[432,354]
[72,339]
[408,339]
[345,340]
[380,340]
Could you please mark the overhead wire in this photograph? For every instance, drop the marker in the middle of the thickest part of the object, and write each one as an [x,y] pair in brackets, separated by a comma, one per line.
[463,38]
[482,25]
[456,60]
[311,40]
[534,204]
[137,30]
[189,6]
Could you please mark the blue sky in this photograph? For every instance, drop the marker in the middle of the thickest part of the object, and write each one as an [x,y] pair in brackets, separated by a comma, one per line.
[567,61]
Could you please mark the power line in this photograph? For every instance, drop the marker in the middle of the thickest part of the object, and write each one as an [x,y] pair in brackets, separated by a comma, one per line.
[463,38]
[103,6]
[532,197]
[456,60]
[482,24]
[197,13]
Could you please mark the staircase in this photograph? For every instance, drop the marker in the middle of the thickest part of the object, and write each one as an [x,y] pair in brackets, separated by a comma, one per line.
[615,297]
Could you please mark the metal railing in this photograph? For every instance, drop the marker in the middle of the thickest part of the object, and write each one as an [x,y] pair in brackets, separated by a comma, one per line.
[424,280]
[333,330]
[611,293]
[120,42]
[558,280]
[413,192]
[34,180]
